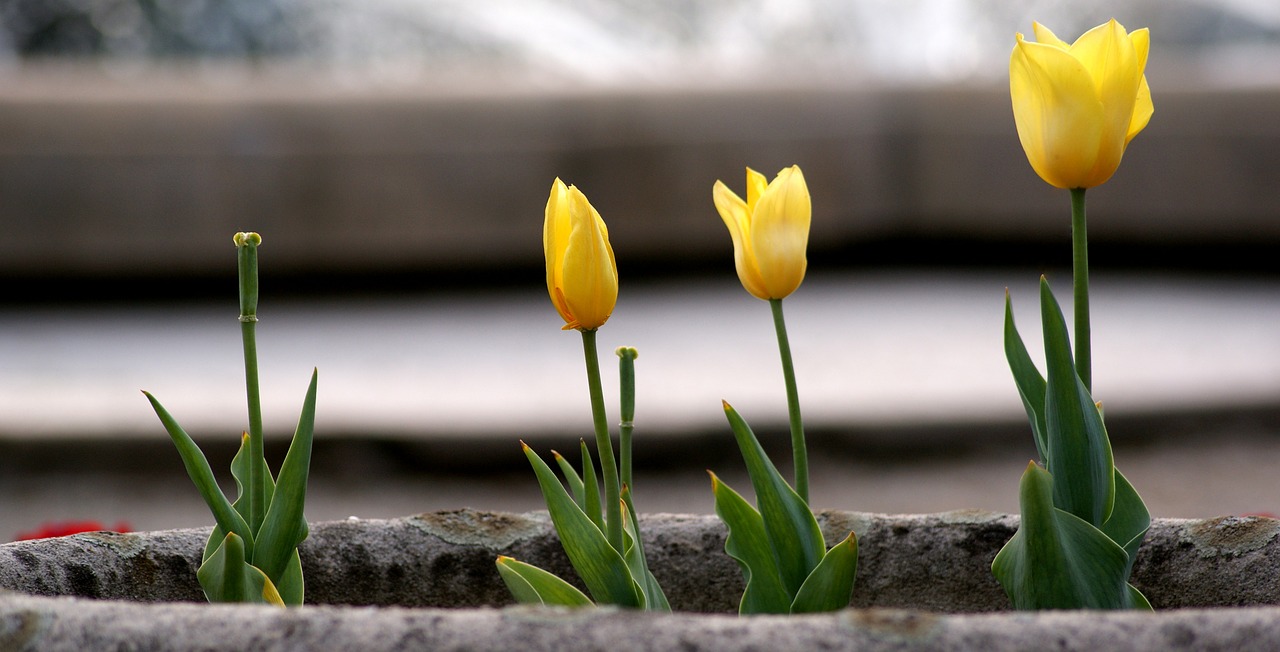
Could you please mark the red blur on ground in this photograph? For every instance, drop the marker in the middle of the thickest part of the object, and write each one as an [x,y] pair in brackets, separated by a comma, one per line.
[64,528]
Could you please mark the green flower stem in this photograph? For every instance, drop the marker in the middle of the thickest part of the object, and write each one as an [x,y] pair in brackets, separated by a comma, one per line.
[604,446]
[247,263]
[799,453]
[627,384]
[1080,264]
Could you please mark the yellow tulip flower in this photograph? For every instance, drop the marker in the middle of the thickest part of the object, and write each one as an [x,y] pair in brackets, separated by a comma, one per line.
[1077,106]
[582,277]
[770,231]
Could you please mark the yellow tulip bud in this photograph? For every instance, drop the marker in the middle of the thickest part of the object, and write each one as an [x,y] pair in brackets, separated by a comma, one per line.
[770,231]
[582,278]
[1077,106]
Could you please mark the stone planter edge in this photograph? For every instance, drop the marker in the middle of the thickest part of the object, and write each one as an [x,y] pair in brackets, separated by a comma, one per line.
[913,569]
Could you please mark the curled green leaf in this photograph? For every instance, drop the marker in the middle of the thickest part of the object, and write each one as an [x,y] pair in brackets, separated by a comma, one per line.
[830,585]
[226,577]
[1079,451]
[532,585]
[791,530]
[600,566]
[748,544]
[1057,560]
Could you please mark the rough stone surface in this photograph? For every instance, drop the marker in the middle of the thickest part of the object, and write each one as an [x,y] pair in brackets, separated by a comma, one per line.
[931,562]
[43,623]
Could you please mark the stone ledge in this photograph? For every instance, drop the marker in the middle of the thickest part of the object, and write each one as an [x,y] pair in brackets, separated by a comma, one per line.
[41,623]
[933,562]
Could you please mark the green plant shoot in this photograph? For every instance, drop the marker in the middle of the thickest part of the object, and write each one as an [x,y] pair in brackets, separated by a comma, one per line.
[777,543]
[603,543]
[252,553]
[1081,520]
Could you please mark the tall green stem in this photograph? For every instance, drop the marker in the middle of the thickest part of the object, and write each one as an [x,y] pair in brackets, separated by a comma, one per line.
[247,264]
[799,453]
[604,446]
[627,386]
[1080,264]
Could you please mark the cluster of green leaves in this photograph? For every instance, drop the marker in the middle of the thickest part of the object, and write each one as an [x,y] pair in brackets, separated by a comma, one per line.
[778,544]
[247,559]
[603,545]
[614,576]
[252,553]
[1081,520]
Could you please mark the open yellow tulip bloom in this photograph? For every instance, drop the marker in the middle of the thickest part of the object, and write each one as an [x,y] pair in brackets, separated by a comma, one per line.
[770,231]
[1077,106]
[582,277]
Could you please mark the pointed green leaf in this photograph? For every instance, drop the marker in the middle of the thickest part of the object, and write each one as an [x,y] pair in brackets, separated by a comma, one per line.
[227,577]
[198,469]
[748,544]
[601,568]
[1137,600]
[651,591]
[571,477]
[792,531]
[1057,560]
[532,585]
[1079,451]
[285,526]
[1129,521]
[290,584]
[239,471]
[591,488]
[1030,383]
[830,585]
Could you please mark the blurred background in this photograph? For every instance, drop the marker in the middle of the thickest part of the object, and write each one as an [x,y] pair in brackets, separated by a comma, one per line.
[396,156]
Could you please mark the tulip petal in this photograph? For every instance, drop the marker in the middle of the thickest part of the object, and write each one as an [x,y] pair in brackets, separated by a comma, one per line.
[756,184]
[1141,41]
[1057,111]
[1142,107]
[1109,55]
[555,235]
[1046,36]
[737,218]
[1142,111]
[779,233]
[589,276]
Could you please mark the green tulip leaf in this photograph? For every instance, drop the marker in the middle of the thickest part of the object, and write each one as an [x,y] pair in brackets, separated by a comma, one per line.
[571,477]
[226,577]
[532,585]
[1057,560]
[654,598]
[201,474]
[1079,452]
[285,526]
[240,471]
[830,585]
[1137,600]
[1129,521]
[748,544]
[792,531]
[591,488]
[290,584]
[1031,385]
[601,568]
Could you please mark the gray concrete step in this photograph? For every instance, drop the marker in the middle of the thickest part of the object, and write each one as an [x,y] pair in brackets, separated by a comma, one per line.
[913,348]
